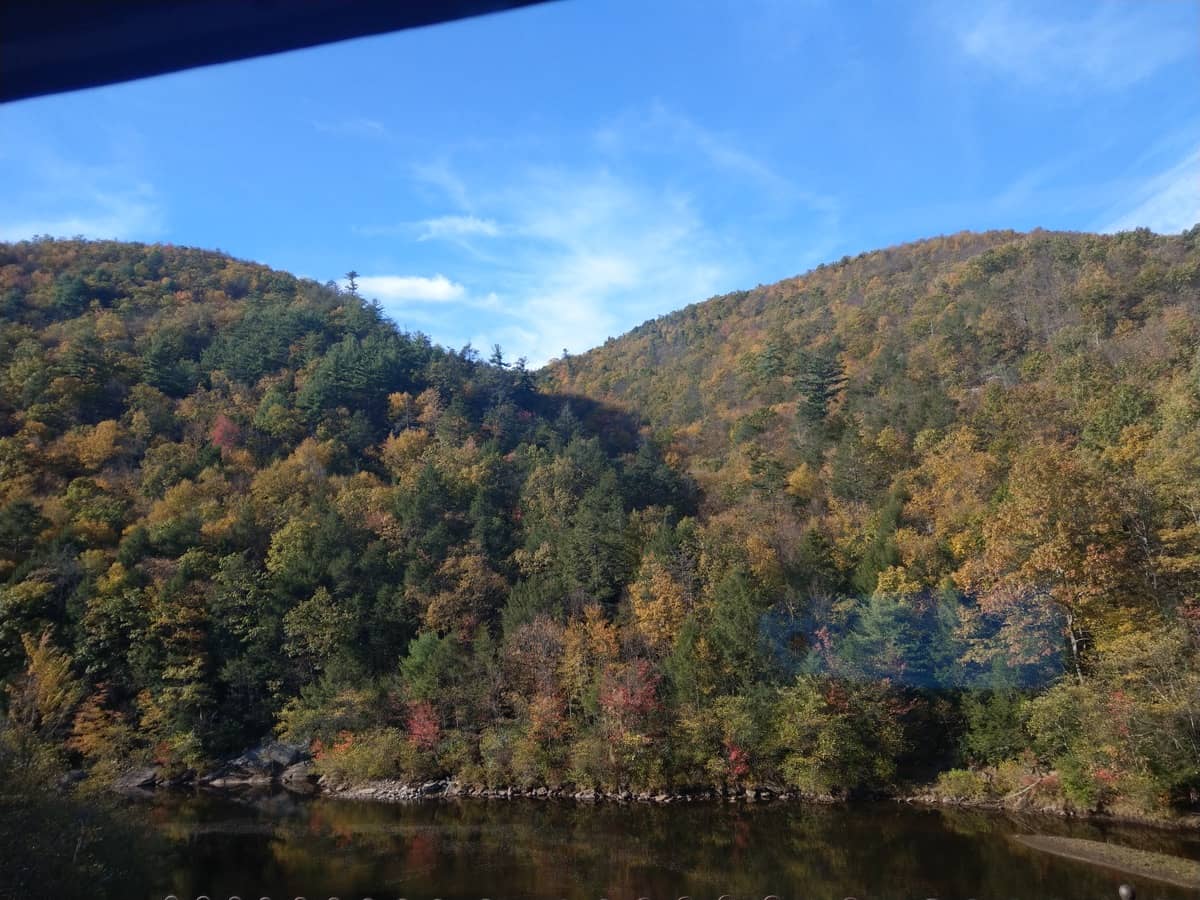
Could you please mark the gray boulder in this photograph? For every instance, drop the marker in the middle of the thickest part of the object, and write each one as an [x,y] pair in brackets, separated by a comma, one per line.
[299,778]
[142,778]
[269,760]
[284,755]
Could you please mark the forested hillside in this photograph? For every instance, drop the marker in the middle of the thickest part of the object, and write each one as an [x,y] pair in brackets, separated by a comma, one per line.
[234,501]
[972,463]
[932,510]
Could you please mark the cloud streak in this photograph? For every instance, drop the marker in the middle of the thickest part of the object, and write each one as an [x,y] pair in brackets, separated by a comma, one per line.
[63,198]
[658,130]
[452,227]
[1167,202]
[360,127]
[564,256]
[1112,46]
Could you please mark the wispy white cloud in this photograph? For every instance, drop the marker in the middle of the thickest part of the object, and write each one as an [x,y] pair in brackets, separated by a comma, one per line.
[457,227]
[657,129]
[410,288]
[1112,45]
[54,196]
[606,254]
[585,254]
[440,176]
[561,256]
[1167,202]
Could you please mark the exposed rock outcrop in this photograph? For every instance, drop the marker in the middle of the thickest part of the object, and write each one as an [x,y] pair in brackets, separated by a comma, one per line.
[259,766]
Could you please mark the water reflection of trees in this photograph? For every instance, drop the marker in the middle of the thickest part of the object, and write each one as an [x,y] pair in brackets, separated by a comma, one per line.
[511,849]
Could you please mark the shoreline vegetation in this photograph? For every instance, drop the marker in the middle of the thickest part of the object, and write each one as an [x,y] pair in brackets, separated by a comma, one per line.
[277,767]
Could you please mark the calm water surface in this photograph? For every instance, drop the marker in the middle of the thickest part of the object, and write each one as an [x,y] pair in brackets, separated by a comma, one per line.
[282,846]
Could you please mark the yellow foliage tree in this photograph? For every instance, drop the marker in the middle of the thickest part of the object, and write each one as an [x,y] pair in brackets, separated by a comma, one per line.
[429,407]
[400,451]
[402,409]
[764,562]
[659,602]
[802,483]
[470,590]
[1055,540]
[43,700]
[589,644]
[98,732]
[100,445]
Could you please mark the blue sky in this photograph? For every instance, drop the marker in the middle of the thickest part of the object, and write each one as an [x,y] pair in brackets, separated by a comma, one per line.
[551,177]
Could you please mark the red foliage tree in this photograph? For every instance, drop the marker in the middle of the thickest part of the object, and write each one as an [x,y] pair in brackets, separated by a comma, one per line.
[629,693]
[423,726]
[224,434]
[739,765]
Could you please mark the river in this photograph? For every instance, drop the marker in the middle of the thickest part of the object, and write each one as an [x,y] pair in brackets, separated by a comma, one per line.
[284,847]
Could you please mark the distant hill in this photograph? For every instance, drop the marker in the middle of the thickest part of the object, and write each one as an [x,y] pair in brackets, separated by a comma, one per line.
[931,514]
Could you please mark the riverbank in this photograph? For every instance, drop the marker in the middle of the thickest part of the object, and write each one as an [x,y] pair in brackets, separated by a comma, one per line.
[288,767]
[387,790]
[1058,809]
[392,791]
[1175,870]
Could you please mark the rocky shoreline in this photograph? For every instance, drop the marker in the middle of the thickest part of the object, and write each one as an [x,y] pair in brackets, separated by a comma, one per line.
[393,791]
[279,766]
[272,765]
[386,790]
[290,767]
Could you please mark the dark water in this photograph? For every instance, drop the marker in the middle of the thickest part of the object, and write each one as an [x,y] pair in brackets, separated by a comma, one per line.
[283,847]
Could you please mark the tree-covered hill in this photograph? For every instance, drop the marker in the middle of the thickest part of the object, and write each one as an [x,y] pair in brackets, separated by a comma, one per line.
[935,509]
[228,496]
[886,403]
[1008,420]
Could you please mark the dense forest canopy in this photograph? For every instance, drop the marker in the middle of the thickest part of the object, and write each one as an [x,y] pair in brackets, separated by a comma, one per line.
[935,509]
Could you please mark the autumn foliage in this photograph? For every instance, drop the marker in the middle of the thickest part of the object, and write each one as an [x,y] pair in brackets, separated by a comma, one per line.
[934,508]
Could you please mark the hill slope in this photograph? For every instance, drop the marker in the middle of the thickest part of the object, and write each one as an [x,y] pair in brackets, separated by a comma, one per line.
[886,400]
[1012,420]
[222,487]
[947,514]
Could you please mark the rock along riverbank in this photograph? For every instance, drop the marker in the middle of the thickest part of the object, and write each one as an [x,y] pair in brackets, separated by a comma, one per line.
[276,765]
[393,791]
